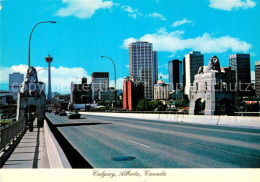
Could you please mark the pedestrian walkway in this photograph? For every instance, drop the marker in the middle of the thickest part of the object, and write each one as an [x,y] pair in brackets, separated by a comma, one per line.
[31,151]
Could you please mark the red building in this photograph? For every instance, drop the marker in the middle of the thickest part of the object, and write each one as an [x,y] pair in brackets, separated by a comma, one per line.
[133,91]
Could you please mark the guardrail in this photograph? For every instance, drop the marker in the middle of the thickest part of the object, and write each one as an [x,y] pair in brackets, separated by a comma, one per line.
[9,133]
[177,112]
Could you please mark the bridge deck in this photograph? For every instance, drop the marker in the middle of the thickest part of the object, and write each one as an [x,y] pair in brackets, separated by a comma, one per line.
[31,151]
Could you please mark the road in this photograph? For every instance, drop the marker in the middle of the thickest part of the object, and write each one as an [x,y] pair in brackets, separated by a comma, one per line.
[107,142]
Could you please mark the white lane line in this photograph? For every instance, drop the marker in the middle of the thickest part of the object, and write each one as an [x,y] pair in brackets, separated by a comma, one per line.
[139,143]
[100,130]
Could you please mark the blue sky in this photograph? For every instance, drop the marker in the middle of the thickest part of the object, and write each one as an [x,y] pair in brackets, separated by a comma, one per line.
[87,29]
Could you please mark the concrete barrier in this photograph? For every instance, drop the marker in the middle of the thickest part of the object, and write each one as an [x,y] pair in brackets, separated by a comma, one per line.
[57,158]
[234,121]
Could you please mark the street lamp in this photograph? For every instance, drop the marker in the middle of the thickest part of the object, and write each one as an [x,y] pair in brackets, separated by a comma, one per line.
[42,69]
[31,37]
[115,76]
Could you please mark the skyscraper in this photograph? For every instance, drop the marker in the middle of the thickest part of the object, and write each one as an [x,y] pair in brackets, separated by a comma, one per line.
[257,78]
[175,74]
[15,83]
[100,84]
[241,64]
[143,65]
[193,61]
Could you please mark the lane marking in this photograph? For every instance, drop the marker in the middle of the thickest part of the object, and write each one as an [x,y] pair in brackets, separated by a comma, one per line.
[139,143]
[100,130]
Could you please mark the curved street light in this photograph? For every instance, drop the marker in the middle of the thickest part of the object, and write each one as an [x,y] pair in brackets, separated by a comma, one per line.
[42,69]
[31,37]
[115,76]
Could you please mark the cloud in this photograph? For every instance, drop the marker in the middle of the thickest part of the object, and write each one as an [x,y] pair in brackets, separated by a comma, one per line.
[83,9]
[181,22]
[252,75]
[127,66]
[119,83]
[61,77]
[174,41]
[131,12]
[228,5]
[157,15]
[1,7]
[164,76]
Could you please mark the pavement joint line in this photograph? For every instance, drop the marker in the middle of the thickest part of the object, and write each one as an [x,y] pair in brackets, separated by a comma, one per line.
[139,143]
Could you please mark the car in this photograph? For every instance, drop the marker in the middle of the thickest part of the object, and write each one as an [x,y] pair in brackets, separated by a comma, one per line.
[62,113]
[73,115]
[56,112]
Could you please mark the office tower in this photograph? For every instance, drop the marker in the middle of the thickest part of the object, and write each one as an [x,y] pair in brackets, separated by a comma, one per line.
[175,74]
[81,93]
[133,91]
[100,85]
[100,80]
[257,78]
[15,83]
[49,59]
[193,61]
[143,65]
[161,90]
[241,64]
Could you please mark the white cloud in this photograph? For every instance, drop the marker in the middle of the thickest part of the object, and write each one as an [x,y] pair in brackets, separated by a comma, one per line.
[252,75]
[181,22]
[131,12]
[173,42]
[228,5]
[61,77]
[127,66]
[163,76]
[157,15]
[119,83]
[83,8]
[0,7]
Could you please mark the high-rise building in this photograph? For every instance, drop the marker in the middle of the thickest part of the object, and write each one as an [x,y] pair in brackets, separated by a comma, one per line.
[133,91]
[241,64]
[193,61]
[100,83]
[175,74]
[257,78]
[81,93]
[15,83]
[161,90]
[143,65]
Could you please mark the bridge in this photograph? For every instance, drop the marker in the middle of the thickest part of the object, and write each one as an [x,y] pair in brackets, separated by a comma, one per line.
[100,140]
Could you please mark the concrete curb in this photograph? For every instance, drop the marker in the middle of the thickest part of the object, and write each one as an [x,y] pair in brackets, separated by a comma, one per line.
[57,158]
[233,121]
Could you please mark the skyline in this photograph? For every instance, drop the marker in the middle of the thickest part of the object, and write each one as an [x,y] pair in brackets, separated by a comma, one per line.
[82,34]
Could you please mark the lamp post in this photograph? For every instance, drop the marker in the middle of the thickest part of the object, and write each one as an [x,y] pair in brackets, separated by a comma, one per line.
[42,69]
[29,58]
[115,76]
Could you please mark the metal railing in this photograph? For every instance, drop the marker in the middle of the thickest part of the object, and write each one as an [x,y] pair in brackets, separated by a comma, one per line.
[9,133]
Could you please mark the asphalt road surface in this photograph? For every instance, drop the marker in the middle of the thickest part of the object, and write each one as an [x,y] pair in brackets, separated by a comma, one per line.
[108,142]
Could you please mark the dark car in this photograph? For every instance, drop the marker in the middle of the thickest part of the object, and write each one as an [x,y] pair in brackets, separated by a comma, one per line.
[62,113]
[73,115]
[56,112]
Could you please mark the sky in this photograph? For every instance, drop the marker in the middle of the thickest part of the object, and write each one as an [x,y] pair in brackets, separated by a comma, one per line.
[87,29]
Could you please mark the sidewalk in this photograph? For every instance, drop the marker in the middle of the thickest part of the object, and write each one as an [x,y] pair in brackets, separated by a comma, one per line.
[31,152]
